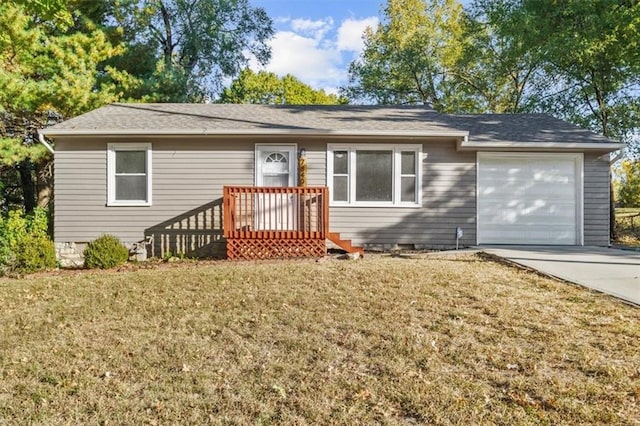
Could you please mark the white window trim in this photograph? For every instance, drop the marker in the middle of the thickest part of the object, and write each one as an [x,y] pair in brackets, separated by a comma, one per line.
[397,174]
[111,173]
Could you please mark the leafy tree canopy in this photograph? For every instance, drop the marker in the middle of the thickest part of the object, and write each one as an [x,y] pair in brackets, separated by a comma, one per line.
[47,67]
[627,183]
[406,58]
[578,60]
[48,71]
[61,58]
[267,88]
[590,52]
[181,49]
[433,52]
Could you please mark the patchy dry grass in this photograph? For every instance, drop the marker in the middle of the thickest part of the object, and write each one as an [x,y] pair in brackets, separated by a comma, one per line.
[628,226]
[421,339]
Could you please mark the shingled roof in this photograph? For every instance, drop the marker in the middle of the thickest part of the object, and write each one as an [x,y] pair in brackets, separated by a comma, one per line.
[228,119]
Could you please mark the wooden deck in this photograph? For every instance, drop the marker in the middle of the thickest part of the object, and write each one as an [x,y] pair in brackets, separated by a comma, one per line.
[275,222]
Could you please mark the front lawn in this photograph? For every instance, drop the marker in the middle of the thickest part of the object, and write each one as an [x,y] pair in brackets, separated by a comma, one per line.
[431,339]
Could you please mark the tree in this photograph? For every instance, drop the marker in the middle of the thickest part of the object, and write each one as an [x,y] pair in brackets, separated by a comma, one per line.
[267,88]
[61,58]
[433,52]
[590,50]
[48,71]
[628,184]
[182,49]
[407,57]
[494,68]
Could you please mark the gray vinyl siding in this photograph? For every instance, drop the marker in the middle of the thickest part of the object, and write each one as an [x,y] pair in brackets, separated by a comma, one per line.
[596,199]
[187,180]
[448,201]
[188,175]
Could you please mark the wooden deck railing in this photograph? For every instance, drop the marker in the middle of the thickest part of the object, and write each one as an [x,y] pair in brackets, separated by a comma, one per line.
[252,212]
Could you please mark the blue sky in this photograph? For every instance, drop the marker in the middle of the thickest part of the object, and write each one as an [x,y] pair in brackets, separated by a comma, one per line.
[316,40]
[315,9]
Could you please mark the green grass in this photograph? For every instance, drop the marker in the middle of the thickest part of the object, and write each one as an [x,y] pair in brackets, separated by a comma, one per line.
[431,339]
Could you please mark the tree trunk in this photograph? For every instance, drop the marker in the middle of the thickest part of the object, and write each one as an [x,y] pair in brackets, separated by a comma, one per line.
[168,36]
[44,184]
[28,186]
[612,213]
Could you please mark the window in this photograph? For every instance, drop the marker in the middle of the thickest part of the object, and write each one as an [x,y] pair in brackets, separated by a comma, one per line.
[340,176]
[129,174]
[275,170]
[374,175]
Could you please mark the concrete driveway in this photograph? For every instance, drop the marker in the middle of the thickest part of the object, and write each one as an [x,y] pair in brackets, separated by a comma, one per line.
[612,271]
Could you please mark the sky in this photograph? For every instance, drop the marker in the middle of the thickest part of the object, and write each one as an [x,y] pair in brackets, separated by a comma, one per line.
[315,40]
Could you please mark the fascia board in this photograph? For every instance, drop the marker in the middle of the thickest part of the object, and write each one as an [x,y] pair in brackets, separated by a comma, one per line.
[251,132]
[527,146]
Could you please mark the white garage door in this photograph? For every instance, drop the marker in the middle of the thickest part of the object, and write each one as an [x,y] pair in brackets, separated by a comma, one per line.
[529,198]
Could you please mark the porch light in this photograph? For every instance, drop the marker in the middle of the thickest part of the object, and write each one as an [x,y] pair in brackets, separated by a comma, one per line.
[303,153]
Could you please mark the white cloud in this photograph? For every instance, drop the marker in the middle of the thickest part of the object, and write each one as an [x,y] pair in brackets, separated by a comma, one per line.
[318,29]
[314,51]
[350,33]
[306,58]
[331,90]
[281,19]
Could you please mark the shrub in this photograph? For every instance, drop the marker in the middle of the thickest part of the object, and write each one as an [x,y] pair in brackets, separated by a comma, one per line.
[105,252]
[35,253]
[627,184]
[20,233]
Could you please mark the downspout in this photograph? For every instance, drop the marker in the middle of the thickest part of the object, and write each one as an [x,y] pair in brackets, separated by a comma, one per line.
[45,143]
[618,156]
[612,206]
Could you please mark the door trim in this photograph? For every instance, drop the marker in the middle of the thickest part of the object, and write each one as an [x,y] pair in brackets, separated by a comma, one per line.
[292,149]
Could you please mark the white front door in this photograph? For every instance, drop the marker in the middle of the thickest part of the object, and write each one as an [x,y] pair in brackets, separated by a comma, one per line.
[276,166]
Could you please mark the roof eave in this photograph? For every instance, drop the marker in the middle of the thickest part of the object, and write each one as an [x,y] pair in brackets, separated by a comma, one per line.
[551,146]
[249,132]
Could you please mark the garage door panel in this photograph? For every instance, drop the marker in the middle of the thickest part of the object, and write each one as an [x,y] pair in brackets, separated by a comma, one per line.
[530,189]
[528,206]
[532,235]
[512,216]
[528,199]
[533,196]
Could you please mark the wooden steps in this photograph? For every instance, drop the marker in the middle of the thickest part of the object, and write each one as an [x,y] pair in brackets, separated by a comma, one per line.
[345,245]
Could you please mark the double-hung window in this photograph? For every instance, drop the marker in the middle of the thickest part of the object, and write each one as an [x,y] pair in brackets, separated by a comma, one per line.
[129,174]
[374,175]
